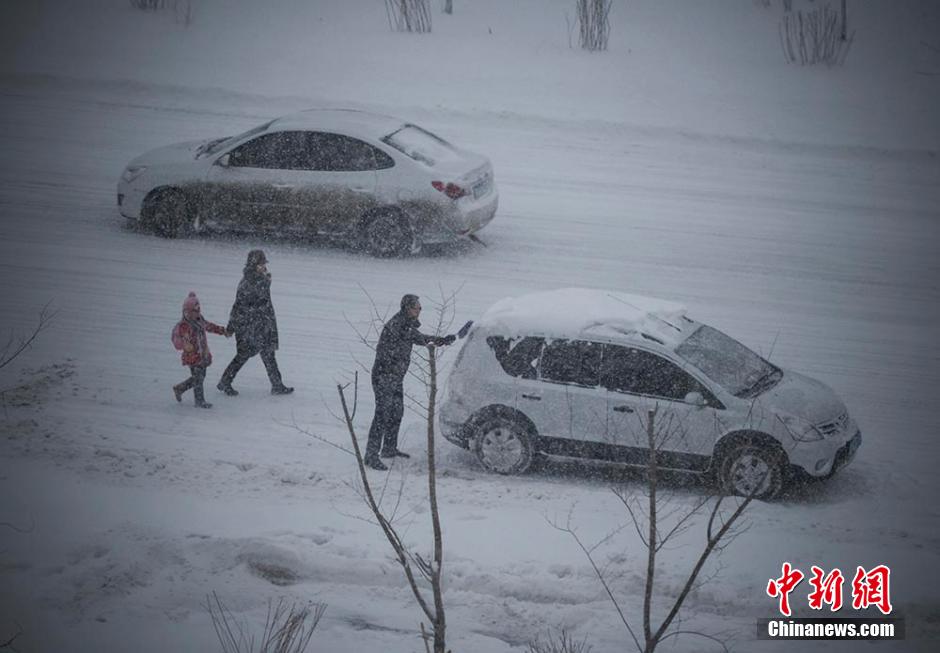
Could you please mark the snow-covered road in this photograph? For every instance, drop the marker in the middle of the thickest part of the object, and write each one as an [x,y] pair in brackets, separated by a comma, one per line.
[825,259]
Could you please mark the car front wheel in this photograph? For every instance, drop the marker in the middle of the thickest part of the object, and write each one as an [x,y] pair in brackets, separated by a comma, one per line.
[167,213]
[503,445]
[753,469]
[388,234]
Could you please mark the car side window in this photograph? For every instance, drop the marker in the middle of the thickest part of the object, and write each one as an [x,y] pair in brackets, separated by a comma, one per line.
[337,153]
[278,151]
[572,361]
[624,369]
[518,356]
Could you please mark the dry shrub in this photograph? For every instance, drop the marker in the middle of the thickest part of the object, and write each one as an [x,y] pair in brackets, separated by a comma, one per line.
[559,642]
[287,628]
[593,23]
[182,9]
[148,5]
[409,15]
[814,37]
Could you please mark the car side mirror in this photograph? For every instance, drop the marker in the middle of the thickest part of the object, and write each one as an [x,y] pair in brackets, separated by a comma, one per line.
[696,399]
[225,160]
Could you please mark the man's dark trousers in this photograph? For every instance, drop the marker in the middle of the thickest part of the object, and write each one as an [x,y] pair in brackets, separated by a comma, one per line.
[242,353]
[389,409]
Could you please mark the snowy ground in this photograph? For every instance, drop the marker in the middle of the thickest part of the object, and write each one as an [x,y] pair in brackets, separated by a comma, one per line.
[809,241]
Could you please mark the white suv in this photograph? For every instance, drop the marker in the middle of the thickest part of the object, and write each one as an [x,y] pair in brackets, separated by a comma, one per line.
[575,372]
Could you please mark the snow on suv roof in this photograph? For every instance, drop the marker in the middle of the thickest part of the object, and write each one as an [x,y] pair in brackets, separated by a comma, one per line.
[340,120]
[582,312]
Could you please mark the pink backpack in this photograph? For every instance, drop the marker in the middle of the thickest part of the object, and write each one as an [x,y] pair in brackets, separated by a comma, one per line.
[177,338]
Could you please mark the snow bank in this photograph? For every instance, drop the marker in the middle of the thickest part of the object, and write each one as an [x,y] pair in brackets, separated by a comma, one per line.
[671,64]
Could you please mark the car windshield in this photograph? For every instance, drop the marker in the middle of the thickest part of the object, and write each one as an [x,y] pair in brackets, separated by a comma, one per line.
[728,363]
[420,145]
[219,144]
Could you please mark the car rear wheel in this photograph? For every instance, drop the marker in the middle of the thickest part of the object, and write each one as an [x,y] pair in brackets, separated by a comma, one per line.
[753,469]
[388,234]
[167,213]
[503,445]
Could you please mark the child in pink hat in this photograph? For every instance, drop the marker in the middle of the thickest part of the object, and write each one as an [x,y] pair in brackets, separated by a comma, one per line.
[189,336]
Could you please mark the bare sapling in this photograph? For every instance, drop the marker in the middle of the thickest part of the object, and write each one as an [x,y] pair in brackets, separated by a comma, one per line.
[412,564]
[658,516]
[422,573]
[7,643]
[15,346]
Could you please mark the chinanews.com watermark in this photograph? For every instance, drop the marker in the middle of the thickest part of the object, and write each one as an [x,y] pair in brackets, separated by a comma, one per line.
[865,628]
[870,588]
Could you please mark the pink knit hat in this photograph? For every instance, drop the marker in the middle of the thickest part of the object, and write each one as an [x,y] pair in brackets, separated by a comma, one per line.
[191,303]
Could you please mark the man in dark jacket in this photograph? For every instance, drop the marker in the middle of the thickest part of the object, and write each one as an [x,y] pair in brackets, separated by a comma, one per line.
[392,358]
[255,327]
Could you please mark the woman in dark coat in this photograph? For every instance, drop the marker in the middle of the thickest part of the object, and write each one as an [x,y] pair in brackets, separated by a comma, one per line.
[253,322]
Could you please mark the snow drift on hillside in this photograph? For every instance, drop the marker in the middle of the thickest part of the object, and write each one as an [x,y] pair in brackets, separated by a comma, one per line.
[682,65]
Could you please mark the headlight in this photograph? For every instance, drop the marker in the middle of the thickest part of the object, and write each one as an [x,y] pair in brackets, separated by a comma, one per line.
[799,429]
[132,172]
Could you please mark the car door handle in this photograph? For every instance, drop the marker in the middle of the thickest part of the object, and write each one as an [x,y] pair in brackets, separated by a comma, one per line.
[532,397]
[283,186]
[359,189]
[622,409]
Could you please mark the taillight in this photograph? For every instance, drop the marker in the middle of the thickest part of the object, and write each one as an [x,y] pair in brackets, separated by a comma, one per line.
[452,190]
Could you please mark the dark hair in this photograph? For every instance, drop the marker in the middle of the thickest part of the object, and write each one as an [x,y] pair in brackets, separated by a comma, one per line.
[255,257]
[409,301]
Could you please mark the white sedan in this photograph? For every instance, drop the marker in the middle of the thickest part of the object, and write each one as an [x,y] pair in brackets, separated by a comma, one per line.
[373,181]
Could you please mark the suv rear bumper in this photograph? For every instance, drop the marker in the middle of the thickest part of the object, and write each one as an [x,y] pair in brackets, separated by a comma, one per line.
[455,433]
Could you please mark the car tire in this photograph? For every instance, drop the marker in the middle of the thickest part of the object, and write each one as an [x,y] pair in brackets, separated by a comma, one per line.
[388,234]
[752,468]
[503,445]
[167,213]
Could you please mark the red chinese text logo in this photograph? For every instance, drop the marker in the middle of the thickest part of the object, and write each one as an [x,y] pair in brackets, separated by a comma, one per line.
[872,588]
[826,590]
[869,588]
[781,587]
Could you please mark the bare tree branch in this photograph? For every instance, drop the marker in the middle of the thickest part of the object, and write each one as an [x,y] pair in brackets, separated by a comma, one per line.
[661,520]
[297,427]
[20,529]
[698,634]
[600,576]
[8,643]
[13,347]
[414,565]
[390,534]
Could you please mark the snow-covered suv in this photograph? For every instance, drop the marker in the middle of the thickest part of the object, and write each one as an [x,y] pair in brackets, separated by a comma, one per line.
[575,372]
